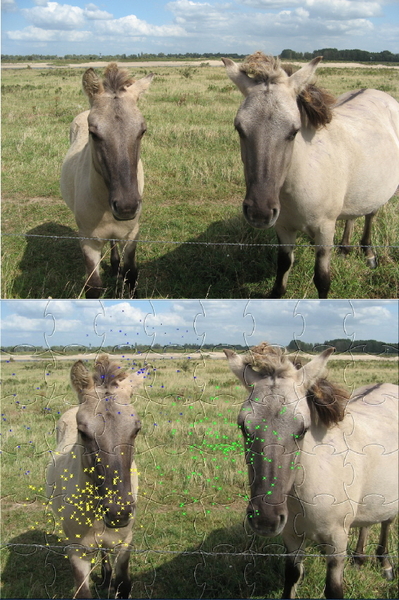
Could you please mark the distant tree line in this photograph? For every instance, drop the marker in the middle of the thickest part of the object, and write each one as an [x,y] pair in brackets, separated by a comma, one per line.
[142,56]
[344,55]
[341,345]
[334,54]
[345,345]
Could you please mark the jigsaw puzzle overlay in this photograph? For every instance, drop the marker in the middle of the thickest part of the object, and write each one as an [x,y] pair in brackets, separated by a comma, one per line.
[167,398]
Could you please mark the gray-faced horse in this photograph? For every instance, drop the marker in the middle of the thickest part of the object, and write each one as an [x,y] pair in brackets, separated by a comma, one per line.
[310,160]
[319,462]
[102,178]
[92,478]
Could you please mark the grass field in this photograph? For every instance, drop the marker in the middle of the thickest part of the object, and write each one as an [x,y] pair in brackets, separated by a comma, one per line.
[189,532]
[192,200]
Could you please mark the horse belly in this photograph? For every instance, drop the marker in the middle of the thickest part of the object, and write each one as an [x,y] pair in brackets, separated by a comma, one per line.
[373,453]
[371,129]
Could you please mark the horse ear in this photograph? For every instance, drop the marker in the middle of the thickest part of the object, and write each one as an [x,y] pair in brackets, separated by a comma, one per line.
[81,379]
[140,86]
[313,370]
[300,79]
[92,84]
[242,369]
[241,79]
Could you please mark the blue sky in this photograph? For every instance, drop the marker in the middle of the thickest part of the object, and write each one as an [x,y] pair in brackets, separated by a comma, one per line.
[242,26]
[168,322]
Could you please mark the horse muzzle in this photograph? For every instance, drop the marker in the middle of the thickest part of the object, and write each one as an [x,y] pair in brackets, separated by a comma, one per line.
[260,219]
[124,211]
[118,519]
[267,524]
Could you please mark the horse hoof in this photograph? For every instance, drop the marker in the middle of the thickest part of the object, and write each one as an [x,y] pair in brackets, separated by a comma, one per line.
[372,262]
[388,573]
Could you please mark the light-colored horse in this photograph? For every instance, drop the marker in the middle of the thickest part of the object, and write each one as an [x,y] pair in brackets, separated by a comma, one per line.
[319,462]
[102,178]
[92,478]
[310,160]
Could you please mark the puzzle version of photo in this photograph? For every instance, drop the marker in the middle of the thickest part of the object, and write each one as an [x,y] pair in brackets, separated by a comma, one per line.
[199,449]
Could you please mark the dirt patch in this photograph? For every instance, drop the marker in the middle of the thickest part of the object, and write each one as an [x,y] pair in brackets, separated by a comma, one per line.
[156,63]
[178,355]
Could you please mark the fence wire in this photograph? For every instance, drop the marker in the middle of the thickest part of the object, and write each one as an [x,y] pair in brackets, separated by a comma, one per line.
[190,242]
[64,549]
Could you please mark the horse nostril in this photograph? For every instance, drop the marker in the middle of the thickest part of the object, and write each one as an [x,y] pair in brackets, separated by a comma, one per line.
[274,214]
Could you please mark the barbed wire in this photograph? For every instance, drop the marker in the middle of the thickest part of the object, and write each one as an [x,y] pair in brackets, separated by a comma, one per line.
[190,242]
[253,553]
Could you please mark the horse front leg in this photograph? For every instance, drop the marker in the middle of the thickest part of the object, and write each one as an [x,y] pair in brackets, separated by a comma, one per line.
[129,270]
[285,260]
[292,575]
[324,243]
[335,577]
[294,571]
[92,255]
[81,570]
[123,582]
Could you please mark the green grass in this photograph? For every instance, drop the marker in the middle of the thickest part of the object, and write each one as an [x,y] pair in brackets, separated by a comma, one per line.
[189,530]
[192,200]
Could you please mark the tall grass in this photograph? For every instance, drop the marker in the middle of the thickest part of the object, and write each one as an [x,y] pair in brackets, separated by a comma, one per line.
[189,535]
[192,200]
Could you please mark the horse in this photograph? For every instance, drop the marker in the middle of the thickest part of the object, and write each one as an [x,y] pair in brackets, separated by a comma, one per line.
[102,177]
[310,159]
[92,478]
[319,460]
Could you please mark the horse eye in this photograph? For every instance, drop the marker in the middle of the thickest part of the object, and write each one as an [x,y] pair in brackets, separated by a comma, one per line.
[300,436]
[292,135]
[94,135]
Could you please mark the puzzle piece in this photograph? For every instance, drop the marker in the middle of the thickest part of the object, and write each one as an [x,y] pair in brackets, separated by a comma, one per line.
[191,536]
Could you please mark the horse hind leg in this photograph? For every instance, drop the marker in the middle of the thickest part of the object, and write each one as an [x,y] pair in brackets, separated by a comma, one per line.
[345,247]
[359,557]
[365,242]
[382,550]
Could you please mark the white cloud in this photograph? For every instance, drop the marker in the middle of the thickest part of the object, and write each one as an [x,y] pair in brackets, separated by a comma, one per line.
[337,9]
[55,16]
[9,6]
[131,26]
[93,12]
[37,34]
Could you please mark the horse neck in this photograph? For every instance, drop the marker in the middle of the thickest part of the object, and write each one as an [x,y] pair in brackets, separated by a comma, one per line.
[81,480]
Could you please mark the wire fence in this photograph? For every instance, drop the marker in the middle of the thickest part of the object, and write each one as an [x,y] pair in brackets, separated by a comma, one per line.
[191,242]
[57,549]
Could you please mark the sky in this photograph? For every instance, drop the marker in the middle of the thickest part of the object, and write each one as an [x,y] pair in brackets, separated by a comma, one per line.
[180,26]
[124,323]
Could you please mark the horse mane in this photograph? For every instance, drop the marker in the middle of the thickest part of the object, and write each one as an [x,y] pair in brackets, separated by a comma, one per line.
[263,69]
[107,373]
[326,400]
[315,104]
[270,361]
[115,79]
